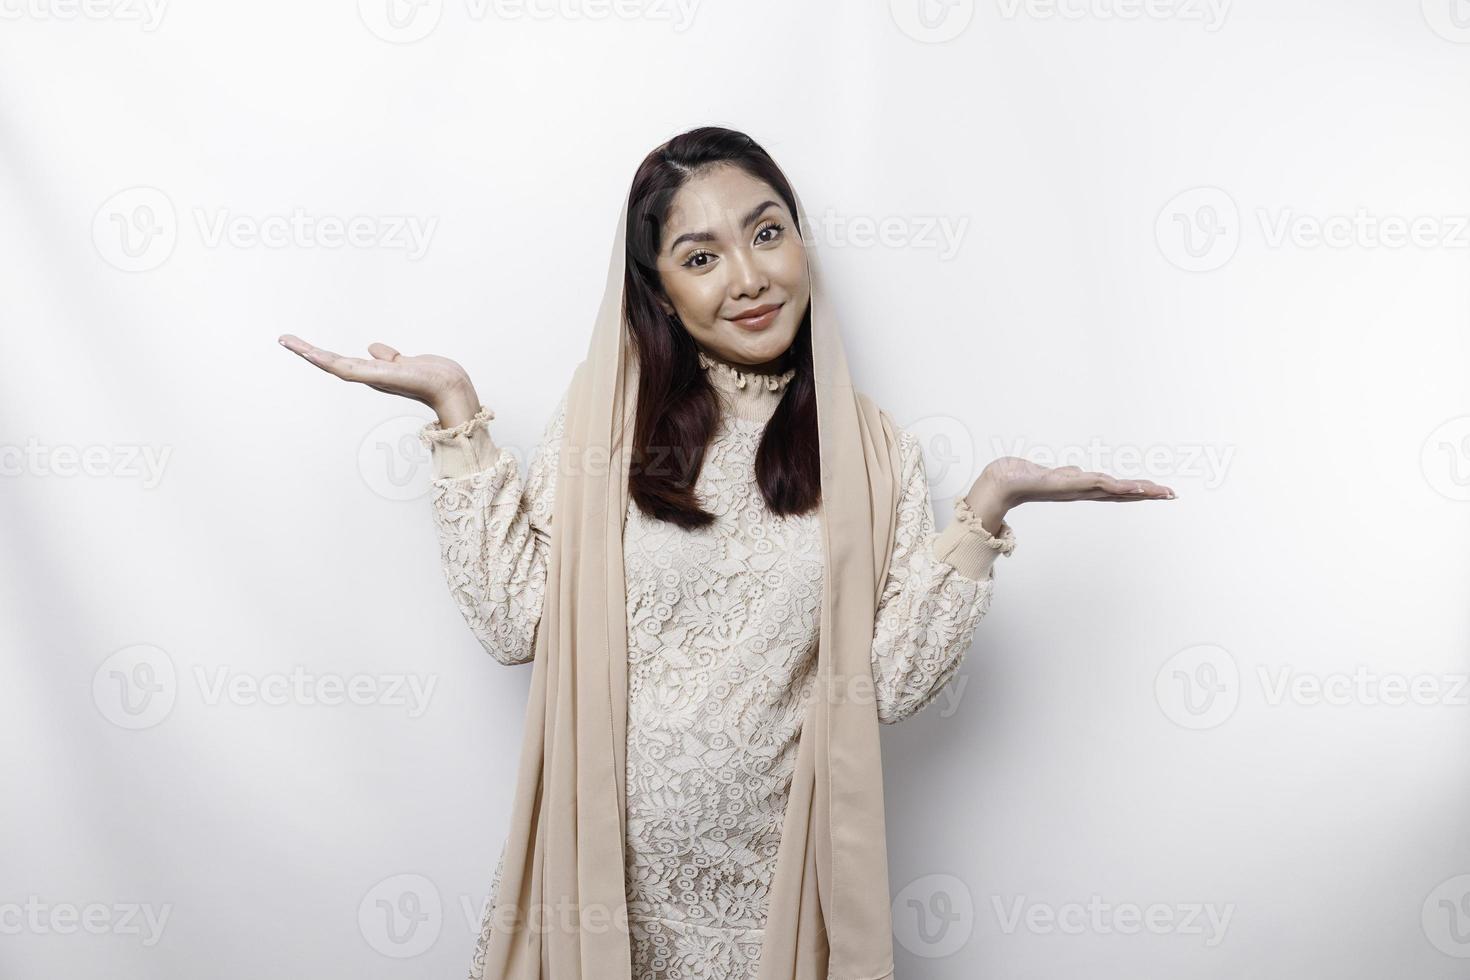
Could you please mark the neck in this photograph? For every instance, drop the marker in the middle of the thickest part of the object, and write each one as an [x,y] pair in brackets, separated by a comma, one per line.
[746,391]
[774,366]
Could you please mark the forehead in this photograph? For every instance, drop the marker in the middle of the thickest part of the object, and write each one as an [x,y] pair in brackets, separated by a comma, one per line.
[716,199]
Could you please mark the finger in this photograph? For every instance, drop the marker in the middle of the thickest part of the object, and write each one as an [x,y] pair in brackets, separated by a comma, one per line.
[356,369]
[298,346]
[347,368]
[383,352]
[1092,485]
[309,351]
[1126,490]
[293,343]
[1073,483]
[1101,486]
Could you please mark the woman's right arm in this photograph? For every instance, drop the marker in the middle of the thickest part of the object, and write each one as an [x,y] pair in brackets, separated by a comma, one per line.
[494,530]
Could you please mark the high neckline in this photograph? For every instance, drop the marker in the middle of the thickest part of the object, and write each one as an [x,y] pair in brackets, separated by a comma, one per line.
[751,395]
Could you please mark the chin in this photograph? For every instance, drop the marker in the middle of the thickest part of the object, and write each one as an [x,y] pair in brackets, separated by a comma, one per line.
[760,350]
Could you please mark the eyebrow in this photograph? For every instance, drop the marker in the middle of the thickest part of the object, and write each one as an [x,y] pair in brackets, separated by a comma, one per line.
[708,236]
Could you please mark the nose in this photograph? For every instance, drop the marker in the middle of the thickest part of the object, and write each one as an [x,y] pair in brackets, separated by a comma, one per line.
[747,278]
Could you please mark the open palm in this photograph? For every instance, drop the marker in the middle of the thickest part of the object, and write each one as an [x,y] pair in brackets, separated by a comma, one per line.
[1019,480]
[426,378]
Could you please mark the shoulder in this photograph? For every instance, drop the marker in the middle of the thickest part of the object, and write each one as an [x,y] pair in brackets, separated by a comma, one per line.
[911,457]
[891,429]
[905,446]
[871,410]
[557,421]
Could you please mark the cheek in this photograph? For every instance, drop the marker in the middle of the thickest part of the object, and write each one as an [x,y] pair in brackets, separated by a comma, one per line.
[793,275]
[692,301]
[705,303]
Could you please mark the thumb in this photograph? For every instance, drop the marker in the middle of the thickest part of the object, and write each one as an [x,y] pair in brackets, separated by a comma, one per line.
[383,352]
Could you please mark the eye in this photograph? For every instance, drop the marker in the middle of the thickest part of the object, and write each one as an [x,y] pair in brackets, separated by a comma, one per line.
[773,226]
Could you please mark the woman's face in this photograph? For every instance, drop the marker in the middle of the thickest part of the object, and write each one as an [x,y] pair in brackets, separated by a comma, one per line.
[730,247]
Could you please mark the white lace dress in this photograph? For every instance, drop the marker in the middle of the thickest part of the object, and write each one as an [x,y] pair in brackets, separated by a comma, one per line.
[722,625]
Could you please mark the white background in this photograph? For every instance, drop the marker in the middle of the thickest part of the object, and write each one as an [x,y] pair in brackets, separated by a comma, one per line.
[1121,178]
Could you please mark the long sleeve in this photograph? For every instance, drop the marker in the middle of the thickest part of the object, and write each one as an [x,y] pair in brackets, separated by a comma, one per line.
[938,588]
[494,529]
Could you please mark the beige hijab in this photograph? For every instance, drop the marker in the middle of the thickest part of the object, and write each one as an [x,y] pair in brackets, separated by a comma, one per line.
[560,909]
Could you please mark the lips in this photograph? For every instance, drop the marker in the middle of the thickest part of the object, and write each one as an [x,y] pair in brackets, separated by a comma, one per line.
[757,316]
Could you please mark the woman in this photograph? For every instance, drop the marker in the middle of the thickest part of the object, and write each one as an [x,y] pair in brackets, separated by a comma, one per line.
[719,548]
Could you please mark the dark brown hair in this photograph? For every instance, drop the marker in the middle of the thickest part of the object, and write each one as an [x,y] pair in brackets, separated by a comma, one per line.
[678,410]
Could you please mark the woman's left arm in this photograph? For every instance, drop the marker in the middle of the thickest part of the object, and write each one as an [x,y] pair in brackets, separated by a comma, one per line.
[939,585]
[937,590]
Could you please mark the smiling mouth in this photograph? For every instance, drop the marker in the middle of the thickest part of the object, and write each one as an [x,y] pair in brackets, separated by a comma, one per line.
[758,320]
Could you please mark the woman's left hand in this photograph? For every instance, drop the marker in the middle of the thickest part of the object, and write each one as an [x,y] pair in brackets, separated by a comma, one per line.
[1011,480]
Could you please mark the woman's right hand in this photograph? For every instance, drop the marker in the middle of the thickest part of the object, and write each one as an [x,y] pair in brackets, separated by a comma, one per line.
[438,382]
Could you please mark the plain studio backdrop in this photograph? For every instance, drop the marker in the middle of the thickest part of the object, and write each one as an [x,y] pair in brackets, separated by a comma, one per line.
[1222,246]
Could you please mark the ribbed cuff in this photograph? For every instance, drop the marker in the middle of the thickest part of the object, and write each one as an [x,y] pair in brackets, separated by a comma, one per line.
[464,449]
[970,548]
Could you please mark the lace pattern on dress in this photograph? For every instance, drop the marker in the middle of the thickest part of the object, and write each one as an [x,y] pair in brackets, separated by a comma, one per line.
[722,626]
